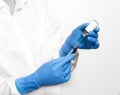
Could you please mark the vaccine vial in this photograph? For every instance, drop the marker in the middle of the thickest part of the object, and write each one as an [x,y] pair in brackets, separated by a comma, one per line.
[90,27]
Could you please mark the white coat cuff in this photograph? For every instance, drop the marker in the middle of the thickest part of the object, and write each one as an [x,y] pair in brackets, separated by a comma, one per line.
[12,86]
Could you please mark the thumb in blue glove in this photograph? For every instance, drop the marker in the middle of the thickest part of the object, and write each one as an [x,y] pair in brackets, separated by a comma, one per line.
[51,73]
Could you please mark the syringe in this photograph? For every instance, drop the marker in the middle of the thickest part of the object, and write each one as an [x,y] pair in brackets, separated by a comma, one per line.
[89,28]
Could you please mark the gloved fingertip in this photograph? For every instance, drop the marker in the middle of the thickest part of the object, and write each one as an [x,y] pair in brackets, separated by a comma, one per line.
[66,66]
[92,39]
[67,78]
[97,45]
[70,57]
[90,33]
[89,38]
[83,26]
[93,34]
[97,29]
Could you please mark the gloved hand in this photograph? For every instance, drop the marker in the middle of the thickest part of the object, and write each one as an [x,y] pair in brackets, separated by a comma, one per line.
[51,73]
[88,42]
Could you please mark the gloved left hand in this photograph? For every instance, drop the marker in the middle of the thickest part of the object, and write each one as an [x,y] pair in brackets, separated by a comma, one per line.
[76,37]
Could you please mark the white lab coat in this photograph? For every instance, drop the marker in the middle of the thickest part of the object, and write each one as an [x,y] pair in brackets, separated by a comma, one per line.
[28,39]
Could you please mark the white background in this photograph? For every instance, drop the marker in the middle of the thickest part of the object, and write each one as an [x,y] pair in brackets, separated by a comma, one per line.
[98,71]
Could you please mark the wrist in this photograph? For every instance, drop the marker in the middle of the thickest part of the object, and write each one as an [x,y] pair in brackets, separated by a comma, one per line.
[26,84]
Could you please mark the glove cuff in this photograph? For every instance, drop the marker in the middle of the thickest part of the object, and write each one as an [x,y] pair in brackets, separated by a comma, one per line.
[26,84]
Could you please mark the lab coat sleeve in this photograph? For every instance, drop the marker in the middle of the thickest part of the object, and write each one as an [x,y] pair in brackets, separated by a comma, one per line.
[7,86]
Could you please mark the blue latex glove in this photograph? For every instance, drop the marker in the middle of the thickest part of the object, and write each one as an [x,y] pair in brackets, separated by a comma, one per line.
[51,73]
[88,42]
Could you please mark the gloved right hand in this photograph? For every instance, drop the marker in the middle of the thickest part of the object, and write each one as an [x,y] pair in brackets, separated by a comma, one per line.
[51,73]
[76,37]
